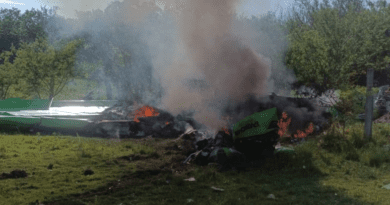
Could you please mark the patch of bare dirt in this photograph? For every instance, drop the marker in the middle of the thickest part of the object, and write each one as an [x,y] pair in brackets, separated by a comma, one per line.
[384,119]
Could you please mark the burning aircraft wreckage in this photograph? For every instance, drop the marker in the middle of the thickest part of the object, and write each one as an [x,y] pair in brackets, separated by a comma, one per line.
[207,43]
[253,129]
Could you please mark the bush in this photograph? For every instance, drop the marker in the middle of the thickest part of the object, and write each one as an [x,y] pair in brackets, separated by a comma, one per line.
[352,101]
[335,142]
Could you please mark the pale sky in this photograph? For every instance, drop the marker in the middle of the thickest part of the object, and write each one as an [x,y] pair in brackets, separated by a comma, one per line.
[249,8]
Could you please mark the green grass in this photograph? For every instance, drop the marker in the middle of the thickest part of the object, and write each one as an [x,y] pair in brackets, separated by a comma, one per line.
[326,169]
[330,168]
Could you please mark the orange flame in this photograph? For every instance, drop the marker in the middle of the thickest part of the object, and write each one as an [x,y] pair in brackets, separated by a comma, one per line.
[303,134]
[283,125]
[283,128]
[145,111]
[225,130]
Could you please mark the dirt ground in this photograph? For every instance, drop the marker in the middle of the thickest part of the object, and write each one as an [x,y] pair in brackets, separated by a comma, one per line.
[384,119]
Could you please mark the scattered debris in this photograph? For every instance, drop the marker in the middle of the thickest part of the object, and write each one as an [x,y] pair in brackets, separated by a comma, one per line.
[129,120]
[381,102]
[253,138]
[216,189]
[386,186]
[191,179]
[271,196]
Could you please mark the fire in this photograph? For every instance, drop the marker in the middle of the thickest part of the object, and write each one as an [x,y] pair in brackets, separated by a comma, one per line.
[145,111]
[225,130]
[227,119]
[283,125]
[283,128]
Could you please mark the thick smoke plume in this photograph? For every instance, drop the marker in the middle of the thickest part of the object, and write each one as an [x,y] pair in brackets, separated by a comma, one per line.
[193,55]
[231,69]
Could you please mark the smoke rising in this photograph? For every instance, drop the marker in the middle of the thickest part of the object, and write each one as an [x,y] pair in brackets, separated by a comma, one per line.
[232,69]
[193,55]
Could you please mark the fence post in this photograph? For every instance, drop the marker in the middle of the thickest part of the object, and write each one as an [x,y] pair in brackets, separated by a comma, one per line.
[369,104]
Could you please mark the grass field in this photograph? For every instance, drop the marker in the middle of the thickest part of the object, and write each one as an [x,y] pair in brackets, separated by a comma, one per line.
[330,168]
[326,169]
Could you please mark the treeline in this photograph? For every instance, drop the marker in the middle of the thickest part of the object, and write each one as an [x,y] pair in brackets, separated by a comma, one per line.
[330,46]
[30,67]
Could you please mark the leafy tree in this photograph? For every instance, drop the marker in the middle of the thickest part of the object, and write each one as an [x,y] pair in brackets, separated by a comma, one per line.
[332,25]
[307,9]
[369,47]
[356,47]
[9,75]
[16,28]
[311,51]
[11,29]
[339,33]
[44,69]
[96,42]
[36,23]
[119,47]
[319,54]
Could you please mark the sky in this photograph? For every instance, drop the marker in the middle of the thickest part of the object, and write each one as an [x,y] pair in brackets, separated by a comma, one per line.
[248,8]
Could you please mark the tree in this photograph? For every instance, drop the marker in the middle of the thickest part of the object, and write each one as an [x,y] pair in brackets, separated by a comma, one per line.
[369,51]
[44,69]
[319,55]
[118,45]
[358,43]
[369,47]
[305,17]
[16,28]
[331,24]
[339,33]
[37,23]
[11,30]
[9,75]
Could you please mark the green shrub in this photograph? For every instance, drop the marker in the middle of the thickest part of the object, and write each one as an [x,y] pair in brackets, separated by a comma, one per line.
[353,101]
[334,142]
